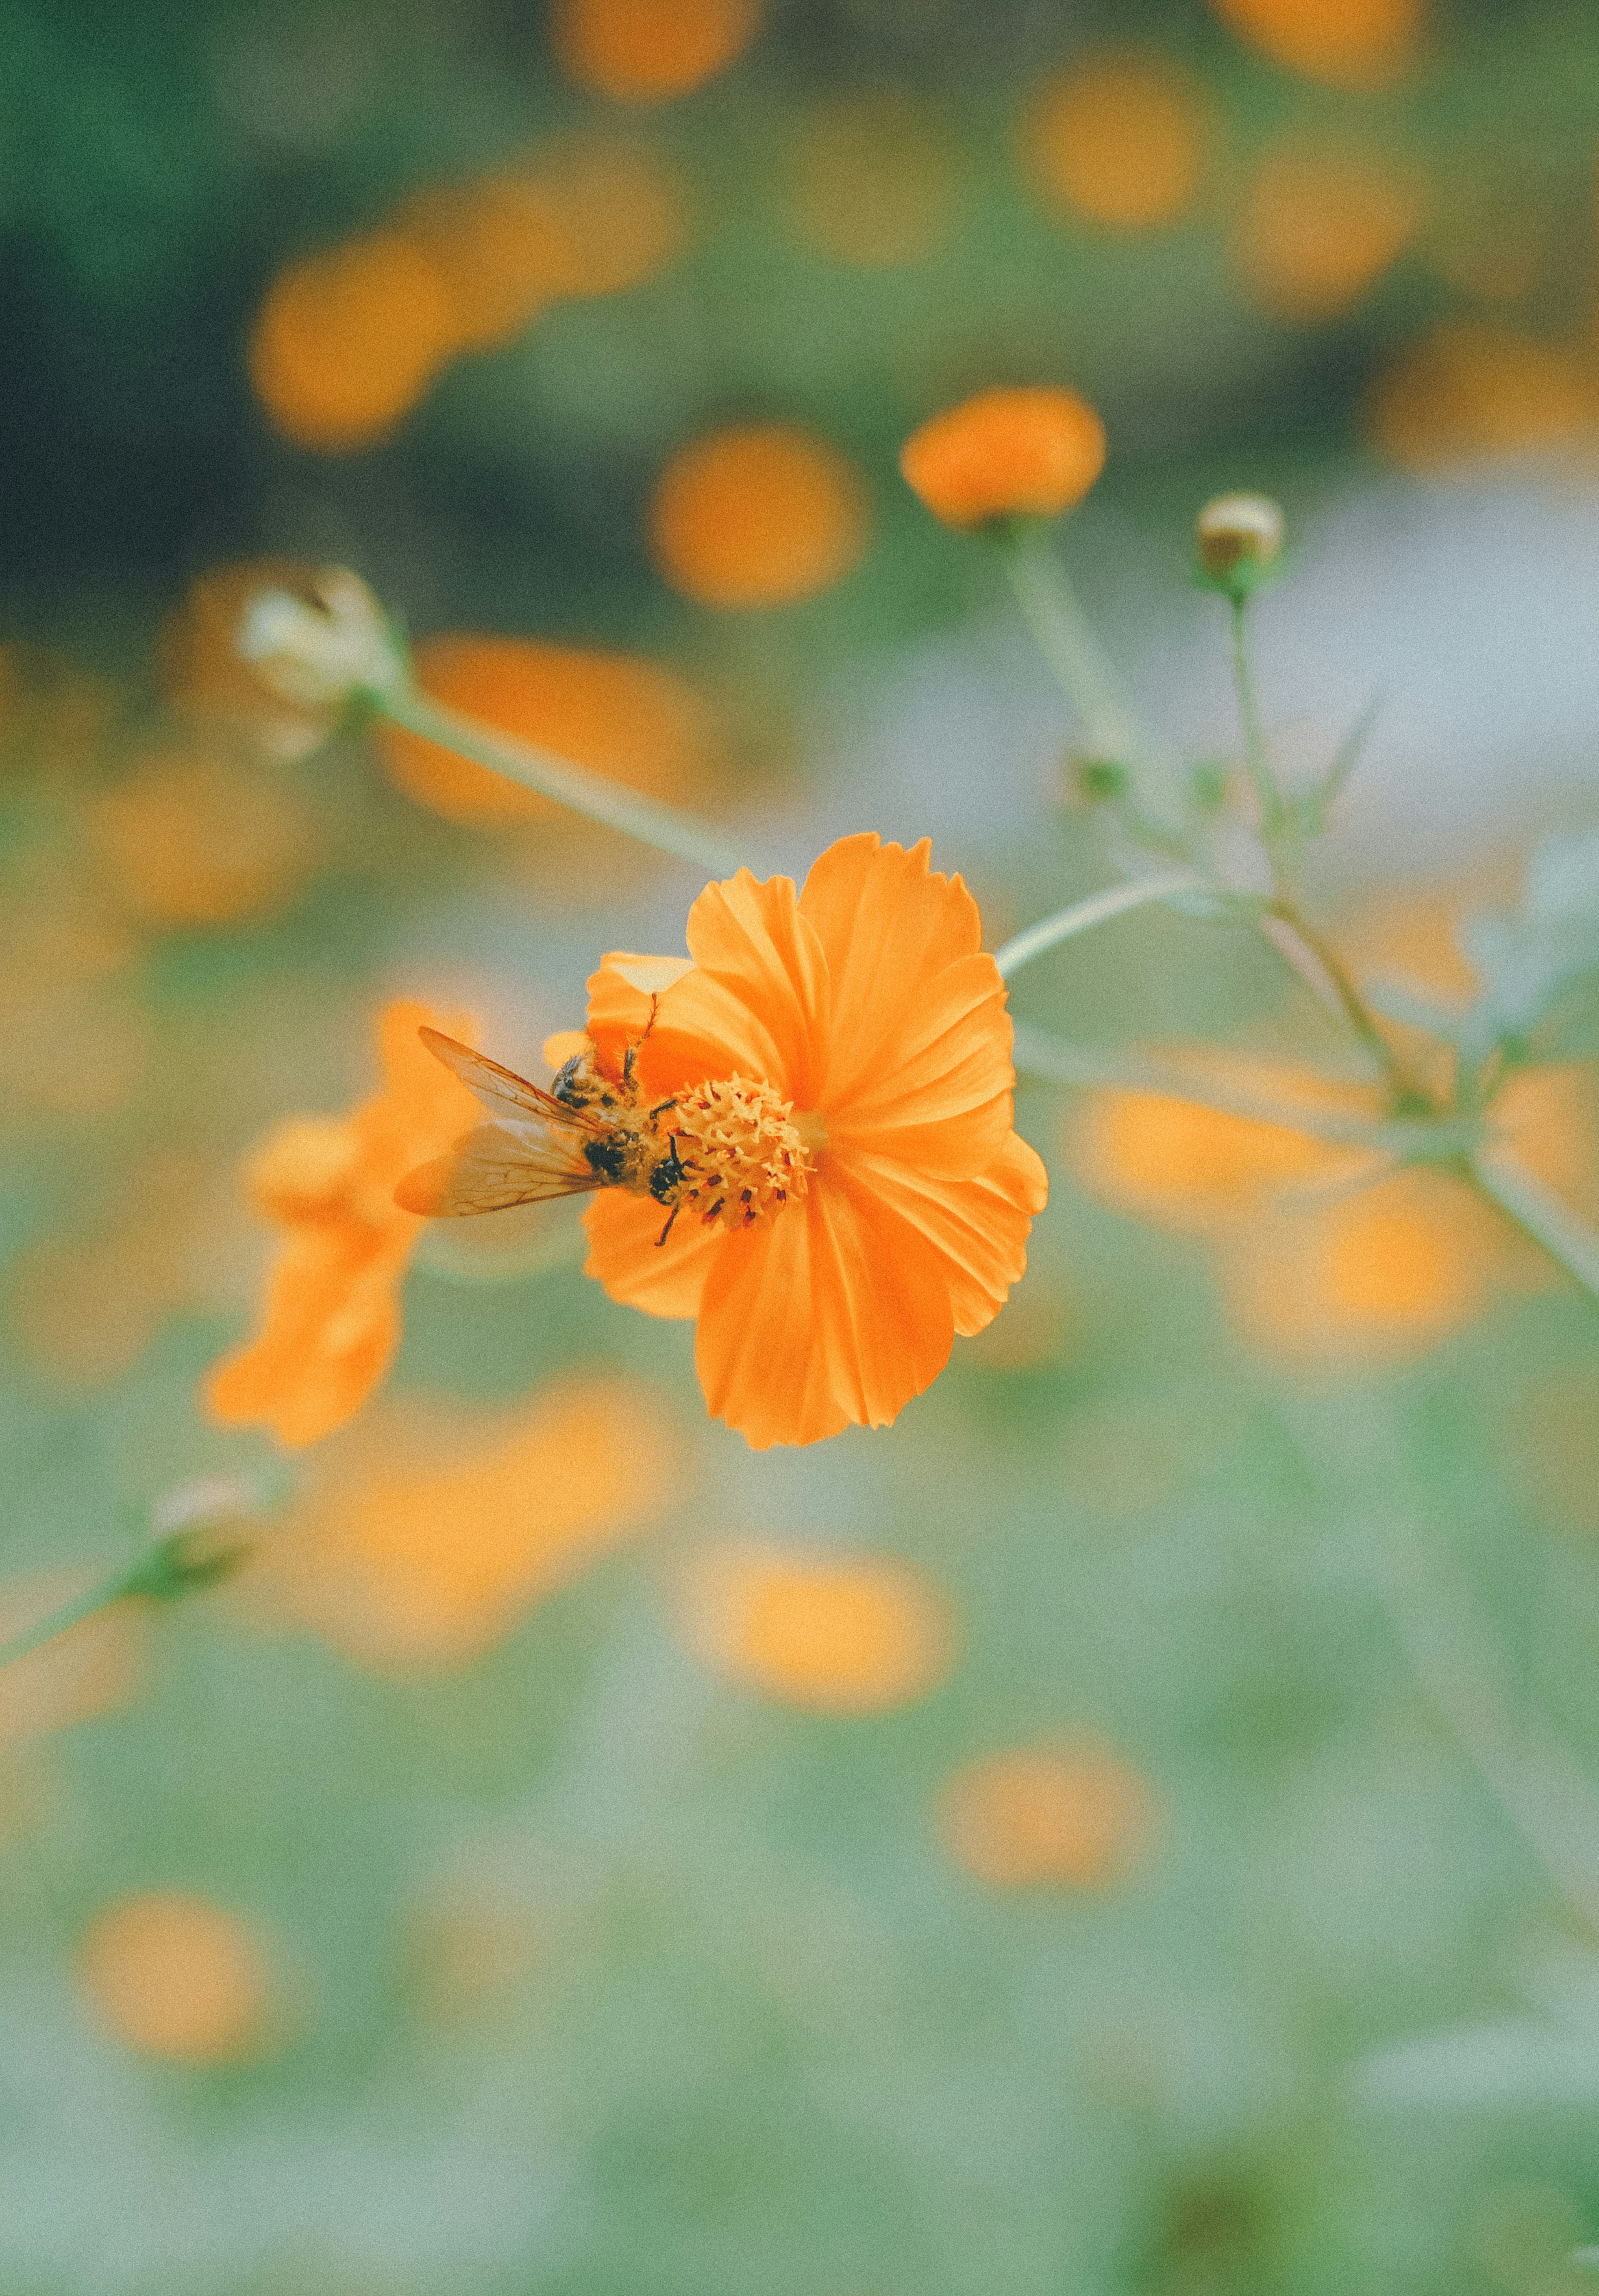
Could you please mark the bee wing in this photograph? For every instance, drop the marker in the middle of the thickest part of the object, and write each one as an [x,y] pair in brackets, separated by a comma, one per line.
[500,1089]
[494,1168]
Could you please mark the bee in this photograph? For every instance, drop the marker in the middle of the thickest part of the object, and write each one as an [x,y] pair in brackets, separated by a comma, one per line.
[587,1132]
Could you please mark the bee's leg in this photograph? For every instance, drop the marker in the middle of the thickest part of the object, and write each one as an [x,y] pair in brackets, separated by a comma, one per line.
[667,1230]
[662,1109]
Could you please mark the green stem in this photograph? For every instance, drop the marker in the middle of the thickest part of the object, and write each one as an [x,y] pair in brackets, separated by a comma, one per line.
[1345,998]
[1257,757]
[1539,1212]
[1082,917]
[1069,645]
[662,826]
[67,1615]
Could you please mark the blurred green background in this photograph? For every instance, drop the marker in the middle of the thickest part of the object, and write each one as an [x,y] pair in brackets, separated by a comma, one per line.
[1043,1847]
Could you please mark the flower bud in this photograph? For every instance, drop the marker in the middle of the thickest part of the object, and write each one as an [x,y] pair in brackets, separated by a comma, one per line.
[1005,454]
[321,650]
[1239,539]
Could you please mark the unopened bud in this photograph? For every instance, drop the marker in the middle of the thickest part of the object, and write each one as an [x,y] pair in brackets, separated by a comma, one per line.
[323,649]
[1097,780]
[1239,539]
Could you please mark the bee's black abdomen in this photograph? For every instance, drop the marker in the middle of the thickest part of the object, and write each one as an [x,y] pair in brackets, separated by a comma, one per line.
[609,1158]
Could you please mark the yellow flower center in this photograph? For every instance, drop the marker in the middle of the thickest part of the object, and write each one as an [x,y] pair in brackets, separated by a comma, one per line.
[740,1149]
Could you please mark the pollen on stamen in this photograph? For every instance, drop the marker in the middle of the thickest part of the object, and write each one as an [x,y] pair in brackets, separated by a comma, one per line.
[743,1154]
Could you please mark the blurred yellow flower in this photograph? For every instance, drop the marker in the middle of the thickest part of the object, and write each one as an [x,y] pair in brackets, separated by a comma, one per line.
[332,1318]
[834,1633]
[758,515]
[173,1975]
[1074,1816]
[1119,140]
[1033,452]
[644,51]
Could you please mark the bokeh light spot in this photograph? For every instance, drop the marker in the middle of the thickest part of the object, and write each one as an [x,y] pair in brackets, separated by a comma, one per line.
[836,1634]
[758,515]
[1118,141]
[1067,1818]
[644,51]
[173,1975]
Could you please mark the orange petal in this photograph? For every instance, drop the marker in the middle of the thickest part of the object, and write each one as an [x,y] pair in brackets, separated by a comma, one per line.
[623,999]
[624,1254]
[920,1037]
[835,1310]
[331,1330]
[979,1227]
[759,992]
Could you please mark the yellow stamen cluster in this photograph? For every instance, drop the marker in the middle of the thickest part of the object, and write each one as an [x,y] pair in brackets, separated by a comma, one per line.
[742,1154]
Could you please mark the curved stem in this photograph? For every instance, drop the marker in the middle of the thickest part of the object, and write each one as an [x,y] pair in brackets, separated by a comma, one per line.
[1082,917]
[1067,641]
[1539,1212]
[186,1561]
[1340,993]
[662,826]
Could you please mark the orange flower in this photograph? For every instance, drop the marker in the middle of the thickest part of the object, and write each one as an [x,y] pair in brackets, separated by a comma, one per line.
[758,515]
[1120,140]
[333,1319]
[1030,453]
[1358,44]
[643,51]
[175,1976]
[840,1066]
[832,1633]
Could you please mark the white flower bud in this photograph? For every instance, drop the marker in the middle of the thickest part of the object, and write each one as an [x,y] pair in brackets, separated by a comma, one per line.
[1238,534]
[320,650]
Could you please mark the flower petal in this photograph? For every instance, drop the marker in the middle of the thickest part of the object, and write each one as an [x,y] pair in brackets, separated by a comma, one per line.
[835,1310]
[758,958]
[330,1331]
[979,1227]
[921,1036]
[624,1254]
[623,998]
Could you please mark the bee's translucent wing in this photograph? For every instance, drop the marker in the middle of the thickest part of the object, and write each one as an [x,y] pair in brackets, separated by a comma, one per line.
[494,1168]
[500,1089]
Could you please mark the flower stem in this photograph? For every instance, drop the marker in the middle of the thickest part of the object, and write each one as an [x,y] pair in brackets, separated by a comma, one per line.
[662,826]
[1341,993]
[1539,1212]
[1067,640]
[184,1563]
[1257,757]
[1082,917]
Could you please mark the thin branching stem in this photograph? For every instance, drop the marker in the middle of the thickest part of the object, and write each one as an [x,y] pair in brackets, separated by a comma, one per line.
[67,1615]
[1083,915]
[661,827]
[1539,1212]
[1070,644]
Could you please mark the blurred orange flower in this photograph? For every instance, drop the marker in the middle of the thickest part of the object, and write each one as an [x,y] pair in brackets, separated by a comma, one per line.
[331,1321]
[188,838]
[836,1634]
[175,1976]
[203,676]
[1066,1818]
[643,51]
[855,1030]
[1356,44]
[1199,1169]
[632,720]
[758,515]
[1320,225]
[427,1534]
[1119,140]
[347,341]
[1472,391]
[1029,453]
